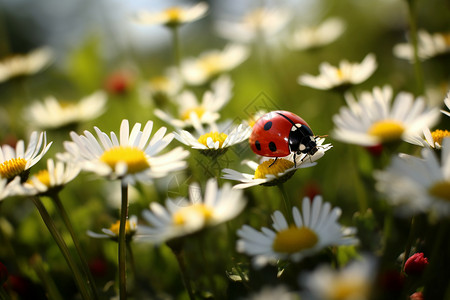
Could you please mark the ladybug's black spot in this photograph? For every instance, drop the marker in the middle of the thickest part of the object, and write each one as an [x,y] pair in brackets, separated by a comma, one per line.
[268,125]
[258,145]
[272,147]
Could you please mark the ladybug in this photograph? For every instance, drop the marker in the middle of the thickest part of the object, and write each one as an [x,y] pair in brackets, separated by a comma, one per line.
[280,133]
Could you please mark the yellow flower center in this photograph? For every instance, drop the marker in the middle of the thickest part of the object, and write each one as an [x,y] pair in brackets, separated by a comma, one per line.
[294,239]
[215,136]
[174,14]
[199,111]
[438,135]
[181,216]
[44,177]
[273,168]
[115,227]
[440,190]
[212,63]
[344,288]
[340,74]
[13,167]
[446,38]
[387,130]
[134,158]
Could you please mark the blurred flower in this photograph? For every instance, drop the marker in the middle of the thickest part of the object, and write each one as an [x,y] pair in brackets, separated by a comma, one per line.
[279,292]
[353,282]
[210,64]
[161,89]
[430,139]
[131,159]
[207,111]
[429,45]
[119,82]
[272,172]
[181,217]
[3,274]
[416,264]
[313,230]
[325,33]
[173,16]
[347,74]
[27,64]
[51,179]
[113,231]
[417,296]
[415,185]
[373,121]
[262,22]
[216,139]
[447,103]
[111,192]
[18,161]
[8,188]
[51,113]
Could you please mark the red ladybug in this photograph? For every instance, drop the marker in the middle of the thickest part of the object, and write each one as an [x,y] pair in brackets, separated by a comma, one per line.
[280,133]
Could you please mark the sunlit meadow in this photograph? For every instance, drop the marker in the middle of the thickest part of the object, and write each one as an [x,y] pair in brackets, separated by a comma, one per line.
[126,170]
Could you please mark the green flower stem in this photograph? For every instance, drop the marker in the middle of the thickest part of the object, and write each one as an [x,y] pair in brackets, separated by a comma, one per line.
[176,46]
[184,274]
[412,233]
[90,280]
[122,243]
[49,284]
[413,36]
[287,203]
[131,260]
[63,247]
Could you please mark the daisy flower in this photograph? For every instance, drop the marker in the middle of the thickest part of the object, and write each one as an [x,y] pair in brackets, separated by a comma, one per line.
[429,45]
[27,64]
[18,161]
[181,217]
[310,37]
[261,22]
[113,231]
[215,140]
[346,74]
[416,185]
[52,179]
[9,188]
[377,118]
[132,158]
[207,111]
[313,230]
[161,88]
[273,172]
[209,64]
[173,16]
[51,113]
[430,139]
[447,103]
[352,282]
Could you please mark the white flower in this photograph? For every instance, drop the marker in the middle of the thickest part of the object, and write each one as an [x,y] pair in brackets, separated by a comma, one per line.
[161,88]
[113,231]
[271,171]
[430,139]
[261,22]
[173,16]
[17,161]
[209,64]
[207,111]
[181,217]
[377,118]
[313,230]
[316,36]
[27,64]
[214,139]
[429,45]
[51,179]
[447,103]
[9,188]
[418,185]
[347,74]
[353,282]
[279,292]
[52,113]
[132,158]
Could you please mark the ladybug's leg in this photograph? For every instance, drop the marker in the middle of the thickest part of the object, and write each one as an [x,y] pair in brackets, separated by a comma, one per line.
[273,162]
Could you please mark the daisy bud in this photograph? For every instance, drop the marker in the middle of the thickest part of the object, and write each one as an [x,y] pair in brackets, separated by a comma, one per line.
[3,274]
[416,296]
[416,264]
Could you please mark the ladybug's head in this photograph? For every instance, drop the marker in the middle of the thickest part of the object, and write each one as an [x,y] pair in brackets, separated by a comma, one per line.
[302,140]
